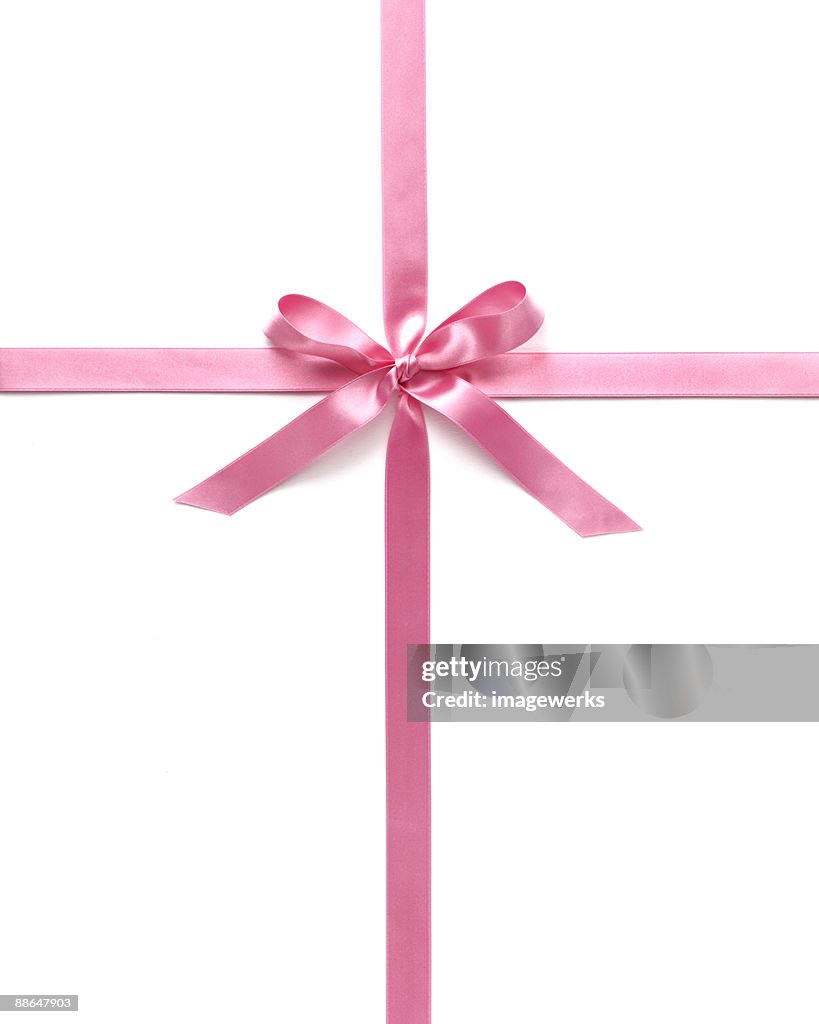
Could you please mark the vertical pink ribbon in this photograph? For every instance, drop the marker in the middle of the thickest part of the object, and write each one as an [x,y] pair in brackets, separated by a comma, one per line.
[404,235]
[408,743]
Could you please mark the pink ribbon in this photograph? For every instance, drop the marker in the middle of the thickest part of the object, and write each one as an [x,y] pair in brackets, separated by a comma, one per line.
[500,319]
[421,373]
[457,370]
[515,374]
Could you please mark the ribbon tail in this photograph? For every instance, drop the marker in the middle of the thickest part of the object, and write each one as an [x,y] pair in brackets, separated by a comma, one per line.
[294,446]
[539,472]
[407,743]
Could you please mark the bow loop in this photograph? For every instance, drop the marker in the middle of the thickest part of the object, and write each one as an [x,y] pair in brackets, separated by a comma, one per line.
[498,320]
[309,326]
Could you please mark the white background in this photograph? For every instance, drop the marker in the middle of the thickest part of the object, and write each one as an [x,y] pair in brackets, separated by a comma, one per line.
[191,777]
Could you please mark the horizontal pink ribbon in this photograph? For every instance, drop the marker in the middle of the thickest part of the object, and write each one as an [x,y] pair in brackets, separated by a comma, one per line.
[524,374]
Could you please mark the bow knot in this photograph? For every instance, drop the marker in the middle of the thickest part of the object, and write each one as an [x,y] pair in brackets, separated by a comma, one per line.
[407,366]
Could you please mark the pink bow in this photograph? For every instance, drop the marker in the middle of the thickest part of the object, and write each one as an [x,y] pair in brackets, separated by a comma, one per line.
[497,321]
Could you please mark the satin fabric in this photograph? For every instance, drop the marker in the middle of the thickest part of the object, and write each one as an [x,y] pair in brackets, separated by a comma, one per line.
[403,172]
[409,839]
[499,319]
[525,374]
